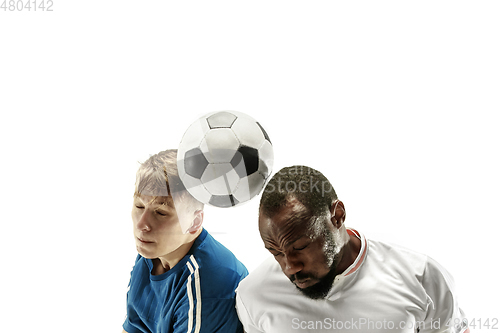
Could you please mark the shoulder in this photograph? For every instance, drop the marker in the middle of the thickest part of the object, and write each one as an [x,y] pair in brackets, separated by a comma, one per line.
[396,257]
[408,264]
[218,269]
[209,253]
[411,260]
[140,266]
[436,274]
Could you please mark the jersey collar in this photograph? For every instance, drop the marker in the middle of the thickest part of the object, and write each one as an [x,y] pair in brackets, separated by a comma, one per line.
[362,253]
[340,279]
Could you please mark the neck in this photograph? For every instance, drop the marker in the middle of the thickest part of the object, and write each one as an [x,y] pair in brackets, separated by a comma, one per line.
[168,261]
[350,250]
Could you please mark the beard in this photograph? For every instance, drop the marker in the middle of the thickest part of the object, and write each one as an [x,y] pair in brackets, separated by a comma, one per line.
[321,289]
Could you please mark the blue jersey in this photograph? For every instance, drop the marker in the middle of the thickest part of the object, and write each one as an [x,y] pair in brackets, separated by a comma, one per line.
[196,295]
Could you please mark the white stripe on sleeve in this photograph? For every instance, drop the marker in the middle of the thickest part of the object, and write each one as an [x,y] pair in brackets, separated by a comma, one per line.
[190,297]
[198,294]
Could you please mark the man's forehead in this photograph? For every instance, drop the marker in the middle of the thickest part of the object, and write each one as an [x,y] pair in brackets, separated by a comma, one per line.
[282,238]
[293,212]
[292,222]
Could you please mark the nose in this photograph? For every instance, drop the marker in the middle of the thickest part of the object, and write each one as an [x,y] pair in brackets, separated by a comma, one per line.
[291,265]
[143,221]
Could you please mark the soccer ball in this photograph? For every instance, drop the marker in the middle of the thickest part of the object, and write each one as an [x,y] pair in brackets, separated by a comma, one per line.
[225,158]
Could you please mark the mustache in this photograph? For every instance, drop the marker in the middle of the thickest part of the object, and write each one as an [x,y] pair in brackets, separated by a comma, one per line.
[301,276]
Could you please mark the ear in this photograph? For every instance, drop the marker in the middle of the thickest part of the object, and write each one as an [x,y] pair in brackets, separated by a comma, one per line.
[197,222]
[337,211]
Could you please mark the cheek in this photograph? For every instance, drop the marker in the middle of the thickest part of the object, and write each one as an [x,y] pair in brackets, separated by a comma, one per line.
[321,257]
[169,231]
[168,240]
[136,216]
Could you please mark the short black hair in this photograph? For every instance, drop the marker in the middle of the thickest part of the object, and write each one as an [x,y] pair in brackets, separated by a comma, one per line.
[306,184]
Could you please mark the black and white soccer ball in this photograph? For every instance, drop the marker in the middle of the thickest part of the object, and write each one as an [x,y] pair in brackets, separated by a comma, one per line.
[225,158]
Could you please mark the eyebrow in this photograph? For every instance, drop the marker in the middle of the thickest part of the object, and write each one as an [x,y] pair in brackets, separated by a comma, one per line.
[166,202]
[297,239]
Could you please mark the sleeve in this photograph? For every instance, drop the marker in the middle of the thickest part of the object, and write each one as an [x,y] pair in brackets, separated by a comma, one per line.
[132,321]
[133,324]
[443,313]
[245,318]
[208,316]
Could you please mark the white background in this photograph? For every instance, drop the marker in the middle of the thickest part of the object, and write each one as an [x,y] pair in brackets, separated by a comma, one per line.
[396,102]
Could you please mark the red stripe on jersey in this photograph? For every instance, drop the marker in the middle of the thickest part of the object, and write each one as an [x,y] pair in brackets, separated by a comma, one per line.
[363,255]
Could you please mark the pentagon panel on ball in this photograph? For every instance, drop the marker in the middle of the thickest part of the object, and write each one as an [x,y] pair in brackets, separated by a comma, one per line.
[225,158]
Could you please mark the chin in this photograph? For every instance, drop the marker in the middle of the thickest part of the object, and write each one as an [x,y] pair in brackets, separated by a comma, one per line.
[320,289]
[145,254]
[314,293]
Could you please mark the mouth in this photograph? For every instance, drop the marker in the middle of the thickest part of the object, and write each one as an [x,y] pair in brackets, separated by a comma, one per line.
[302,283]
[144,241]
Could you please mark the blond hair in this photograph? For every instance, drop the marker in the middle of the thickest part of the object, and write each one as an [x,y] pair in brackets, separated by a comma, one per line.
[158,176]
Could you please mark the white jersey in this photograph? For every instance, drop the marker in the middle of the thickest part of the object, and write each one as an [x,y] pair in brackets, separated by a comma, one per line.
[386,289]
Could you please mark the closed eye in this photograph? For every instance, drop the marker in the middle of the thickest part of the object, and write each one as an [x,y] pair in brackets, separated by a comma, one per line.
[300,248]
[140,207]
